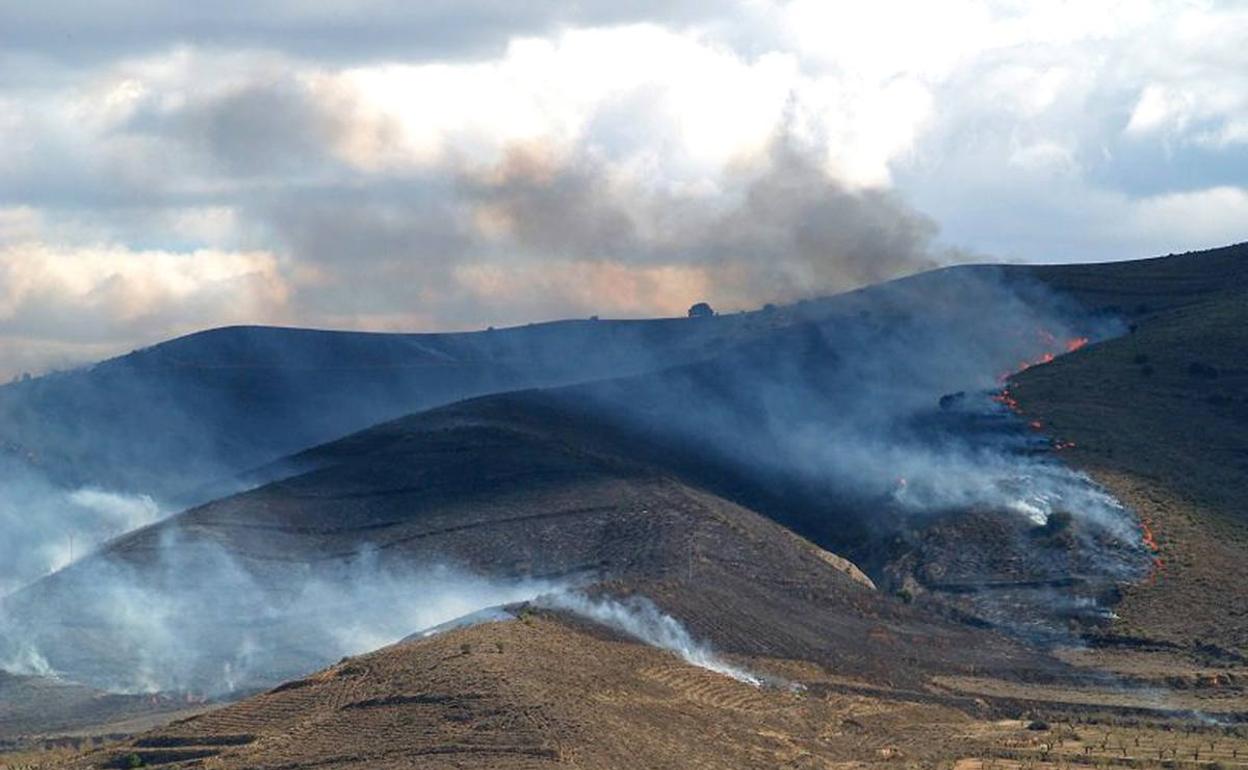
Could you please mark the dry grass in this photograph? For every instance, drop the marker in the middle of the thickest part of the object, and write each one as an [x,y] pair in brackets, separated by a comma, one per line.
[1171,441]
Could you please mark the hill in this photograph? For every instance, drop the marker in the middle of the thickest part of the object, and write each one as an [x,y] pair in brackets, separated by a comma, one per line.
[502,488]
[721,488]
[550,689]
[1160,417]
[488,696]
[169,419]
[810,426]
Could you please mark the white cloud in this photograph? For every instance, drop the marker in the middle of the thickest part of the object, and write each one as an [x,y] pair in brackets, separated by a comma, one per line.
[75,302]
[1217,214]
[149,181]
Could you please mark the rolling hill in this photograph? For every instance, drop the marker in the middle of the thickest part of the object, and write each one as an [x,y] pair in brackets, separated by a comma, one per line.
[171,419]
[751,490]
[502,487]
[1160,417]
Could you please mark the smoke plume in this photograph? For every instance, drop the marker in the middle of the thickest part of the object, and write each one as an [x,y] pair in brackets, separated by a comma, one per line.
[195,620]
[641,619]
[46,527]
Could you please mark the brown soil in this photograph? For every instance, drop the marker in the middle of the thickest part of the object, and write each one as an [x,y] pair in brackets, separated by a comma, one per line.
[545,691]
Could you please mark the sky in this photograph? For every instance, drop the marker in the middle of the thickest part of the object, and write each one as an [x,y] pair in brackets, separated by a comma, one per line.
[453,164]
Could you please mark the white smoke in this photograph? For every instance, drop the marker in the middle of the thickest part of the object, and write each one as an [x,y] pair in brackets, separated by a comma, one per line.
[1002,475]
[196,620]
[495,614]
[23,659]
[119,512]
[47,527]
[641,619]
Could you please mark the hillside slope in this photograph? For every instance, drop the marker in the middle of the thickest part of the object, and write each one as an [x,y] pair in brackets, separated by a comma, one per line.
[500,489]
[553,690]
[545,692]
[173,417]
[1161,417]
[169,419]
[624,480]
[671,484]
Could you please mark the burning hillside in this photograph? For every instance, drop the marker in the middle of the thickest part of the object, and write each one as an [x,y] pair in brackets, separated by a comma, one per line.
[877,428]
[813,425]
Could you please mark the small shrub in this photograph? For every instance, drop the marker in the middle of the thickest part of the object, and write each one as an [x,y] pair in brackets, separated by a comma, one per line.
[1058,522]
[701,310]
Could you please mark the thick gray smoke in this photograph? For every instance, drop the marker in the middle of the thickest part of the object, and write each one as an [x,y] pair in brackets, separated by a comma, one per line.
[566,230]
[641,619]
[781,229]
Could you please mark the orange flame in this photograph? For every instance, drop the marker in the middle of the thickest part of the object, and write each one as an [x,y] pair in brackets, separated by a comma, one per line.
[1068,346]
[1146,534]
[1005,399]
[1150,542]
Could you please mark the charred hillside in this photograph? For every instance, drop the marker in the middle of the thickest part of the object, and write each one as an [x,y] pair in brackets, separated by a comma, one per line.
[822,427]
